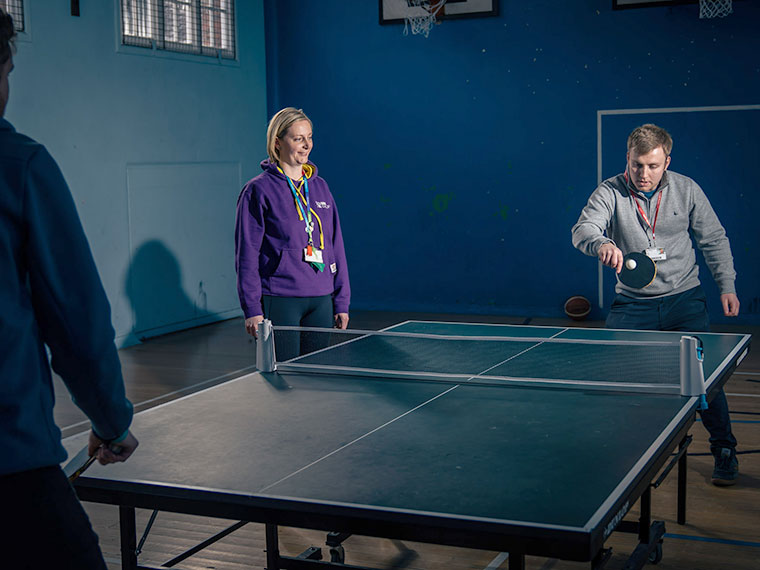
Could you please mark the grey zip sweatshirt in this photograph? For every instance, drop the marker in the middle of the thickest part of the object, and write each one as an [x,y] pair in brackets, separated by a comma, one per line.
[611,214]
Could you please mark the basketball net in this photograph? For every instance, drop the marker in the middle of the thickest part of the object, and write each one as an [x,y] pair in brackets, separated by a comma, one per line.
[422,24]
[715,8]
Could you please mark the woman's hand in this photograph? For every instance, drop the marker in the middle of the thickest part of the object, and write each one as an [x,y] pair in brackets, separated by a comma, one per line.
[341,321]
[252,325]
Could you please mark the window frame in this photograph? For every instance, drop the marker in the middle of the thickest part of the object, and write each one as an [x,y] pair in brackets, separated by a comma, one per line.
[177,48]
[23,33]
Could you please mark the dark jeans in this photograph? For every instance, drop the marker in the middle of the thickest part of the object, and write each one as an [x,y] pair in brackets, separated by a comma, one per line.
[43,524]
[686,312]
[298,312]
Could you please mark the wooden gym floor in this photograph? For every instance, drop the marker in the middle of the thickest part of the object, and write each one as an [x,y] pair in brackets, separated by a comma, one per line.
[723,524]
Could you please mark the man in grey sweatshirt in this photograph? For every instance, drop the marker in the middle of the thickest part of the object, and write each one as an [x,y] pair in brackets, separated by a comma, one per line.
[648,209]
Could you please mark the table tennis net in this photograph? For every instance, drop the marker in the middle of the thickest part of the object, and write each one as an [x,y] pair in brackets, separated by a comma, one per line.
[634,366]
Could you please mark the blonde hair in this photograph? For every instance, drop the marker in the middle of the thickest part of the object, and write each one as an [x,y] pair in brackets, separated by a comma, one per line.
[646,138]
[279,125]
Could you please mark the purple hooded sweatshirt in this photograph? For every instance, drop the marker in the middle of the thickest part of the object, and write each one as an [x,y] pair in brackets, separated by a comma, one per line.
[270,239]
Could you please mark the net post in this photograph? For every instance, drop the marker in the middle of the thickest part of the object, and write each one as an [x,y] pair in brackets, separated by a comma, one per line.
[265,359]
[692,372]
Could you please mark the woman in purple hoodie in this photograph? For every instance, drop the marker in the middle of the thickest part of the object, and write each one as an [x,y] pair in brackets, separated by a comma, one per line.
[289,255]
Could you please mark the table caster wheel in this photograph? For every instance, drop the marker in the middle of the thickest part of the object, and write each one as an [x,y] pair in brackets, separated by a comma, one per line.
[337,554]
[656,555]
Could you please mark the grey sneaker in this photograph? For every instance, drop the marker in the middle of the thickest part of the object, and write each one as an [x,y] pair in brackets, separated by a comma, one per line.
[726,467]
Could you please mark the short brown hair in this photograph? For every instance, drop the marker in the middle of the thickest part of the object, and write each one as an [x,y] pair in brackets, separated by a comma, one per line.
[646,138]
[279,125]
[7,33]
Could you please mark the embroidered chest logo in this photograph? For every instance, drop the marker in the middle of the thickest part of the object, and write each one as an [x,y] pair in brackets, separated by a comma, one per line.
[323,205]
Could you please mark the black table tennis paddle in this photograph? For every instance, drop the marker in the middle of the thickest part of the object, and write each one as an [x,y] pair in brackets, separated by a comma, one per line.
[82,460]
[78,464]
[638,270]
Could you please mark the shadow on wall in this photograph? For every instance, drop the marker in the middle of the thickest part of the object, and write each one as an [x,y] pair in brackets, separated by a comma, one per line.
[155,291]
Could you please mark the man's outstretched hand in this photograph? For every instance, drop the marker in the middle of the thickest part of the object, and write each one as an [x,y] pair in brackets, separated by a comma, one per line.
[611,256]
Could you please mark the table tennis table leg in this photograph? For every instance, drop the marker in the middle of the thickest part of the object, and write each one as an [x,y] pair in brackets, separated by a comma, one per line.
[128,532]
[516,561]
[681,511]
[679,460]
[650,535]
[645,516]
[273,548]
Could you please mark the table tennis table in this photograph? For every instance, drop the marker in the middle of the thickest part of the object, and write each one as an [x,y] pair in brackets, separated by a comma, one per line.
[525,469]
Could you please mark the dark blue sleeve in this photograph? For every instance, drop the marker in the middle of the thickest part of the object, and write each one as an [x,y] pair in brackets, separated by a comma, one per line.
[70,304]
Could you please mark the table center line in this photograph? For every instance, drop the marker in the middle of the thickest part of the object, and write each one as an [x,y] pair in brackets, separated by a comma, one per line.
[361,437]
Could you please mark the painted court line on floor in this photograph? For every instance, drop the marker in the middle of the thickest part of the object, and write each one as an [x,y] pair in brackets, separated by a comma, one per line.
[497,561]
[717,540]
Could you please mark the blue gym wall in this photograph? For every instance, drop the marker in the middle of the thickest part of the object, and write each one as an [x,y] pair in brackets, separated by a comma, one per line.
[460,162]
[155,147]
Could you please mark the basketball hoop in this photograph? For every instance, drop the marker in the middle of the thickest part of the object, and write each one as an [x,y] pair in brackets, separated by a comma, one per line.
[715,8]
[421,21]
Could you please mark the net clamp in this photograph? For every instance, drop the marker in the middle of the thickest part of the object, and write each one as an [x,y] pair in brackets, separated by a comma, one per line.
[265,358]
[692,372]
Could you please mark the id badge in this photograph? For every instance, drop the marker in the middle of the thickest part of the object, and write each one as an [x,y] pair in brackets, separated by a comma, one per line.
[312,254]
[656,253]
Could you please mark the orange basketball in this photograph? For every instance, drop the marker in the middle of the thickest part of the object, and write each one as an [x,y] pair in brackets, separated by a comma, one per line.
[577,307]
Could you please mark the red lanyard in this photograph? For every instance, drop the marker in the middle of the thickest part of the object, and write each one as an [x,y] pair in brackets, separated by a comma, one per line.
[643,215]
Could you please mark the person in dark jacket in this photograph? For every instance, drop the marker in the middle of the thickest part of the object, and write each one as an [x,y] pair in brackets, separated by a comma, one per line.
[289,255]
[51,299]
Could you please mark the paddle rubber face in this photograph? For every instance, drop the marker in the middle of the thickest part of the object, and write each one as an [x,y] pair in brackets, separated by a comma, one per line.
[641,274]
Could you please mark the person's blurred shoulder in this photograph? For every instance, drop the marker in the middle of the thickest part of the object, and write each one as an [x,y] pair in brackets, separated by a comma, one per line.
[16,145]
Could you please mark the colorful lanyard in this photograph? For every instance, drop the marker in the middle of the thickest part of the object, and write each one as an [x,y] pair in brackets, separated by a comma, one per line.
[643,214]
[304,208]
[319,221]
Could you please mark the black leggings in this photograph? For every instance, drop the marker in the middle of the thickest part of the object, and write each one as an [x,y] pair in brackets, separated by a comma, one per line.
[298,312]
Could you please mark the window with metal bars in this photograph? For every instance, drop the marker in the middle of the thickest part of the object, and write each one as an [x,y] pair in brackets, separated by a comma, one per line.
[16,10]
[200,27]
